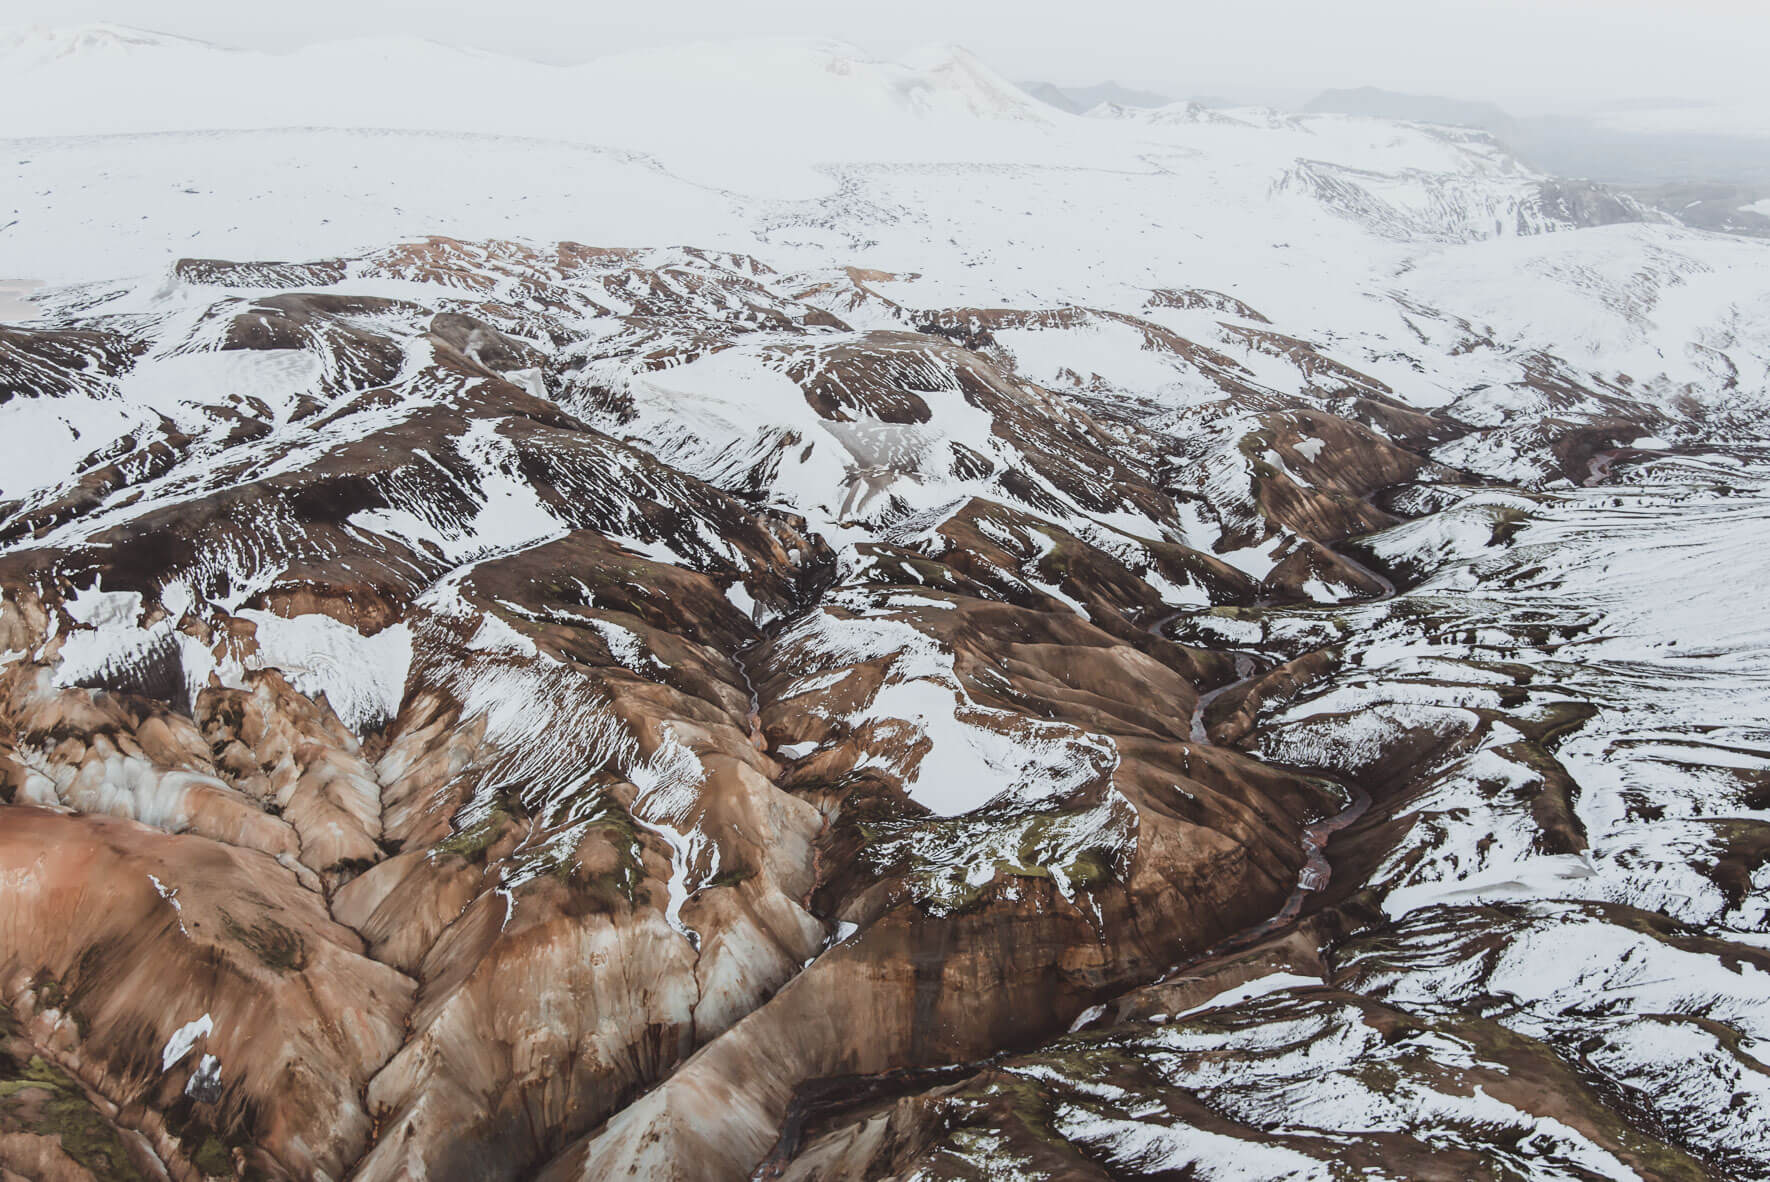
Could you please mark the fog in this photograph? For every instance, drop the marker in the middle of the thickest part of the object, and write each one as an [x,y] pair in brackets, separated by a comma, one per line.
[1642,93]
[1533,56]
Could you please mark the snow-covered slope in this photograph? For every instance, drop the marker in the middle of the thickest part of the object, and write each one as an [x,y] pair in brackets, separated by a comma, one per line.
[1270,595]
[757,114]
[1401,245]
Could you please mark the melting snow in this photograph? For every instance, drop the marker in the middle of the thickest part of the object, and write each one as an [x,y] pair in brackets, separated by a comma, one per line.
[363,677]
[183,1039]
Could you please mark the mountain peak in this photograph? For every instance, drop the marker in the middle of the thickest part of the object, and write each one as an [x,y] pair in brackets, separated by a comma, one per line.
[959,72]
[46,43]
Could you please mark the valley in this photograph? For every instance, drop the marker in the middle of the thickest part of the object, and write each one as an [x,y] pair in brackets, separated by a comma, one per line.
[1157,643]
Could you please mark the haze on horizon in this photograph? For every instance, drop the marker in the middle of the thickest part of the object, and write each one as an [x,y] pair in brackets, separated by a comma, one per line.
[1531,56]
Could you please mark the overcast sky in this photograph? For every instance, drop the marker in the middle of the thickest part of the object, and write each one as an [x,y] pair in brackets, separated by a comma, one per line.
[1532,55]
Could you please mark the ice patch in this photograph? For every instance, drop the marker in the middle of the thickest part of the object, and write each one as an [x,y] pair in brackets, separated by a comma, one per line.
[739,595]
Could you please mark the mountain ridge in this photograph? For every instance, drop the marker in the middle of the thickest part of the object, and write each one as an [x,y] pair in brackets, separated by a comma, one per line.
[815,627]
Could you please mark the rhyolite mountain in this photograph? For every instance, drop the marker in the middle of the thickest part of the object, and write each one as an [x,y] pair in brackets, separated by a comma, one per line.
[1179,643]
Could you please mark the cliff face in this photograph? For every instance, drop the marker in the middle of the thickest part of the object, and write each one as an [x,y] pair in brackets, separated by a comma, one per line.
[477,711]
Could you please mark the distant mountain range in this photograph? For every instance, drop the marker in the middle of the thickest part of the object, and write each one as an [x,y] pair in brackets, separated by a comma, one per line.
[1711,180]
[1080,99]
[1415,108]
[1638,149]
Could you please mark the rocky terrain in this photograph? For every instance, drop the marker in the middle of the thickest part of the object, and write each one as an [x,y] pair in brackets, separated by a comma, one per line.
[913,696]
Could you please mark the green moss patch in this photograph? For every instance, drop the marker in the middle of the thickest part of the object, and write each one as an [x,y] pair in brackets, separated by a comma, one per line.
[37,1097]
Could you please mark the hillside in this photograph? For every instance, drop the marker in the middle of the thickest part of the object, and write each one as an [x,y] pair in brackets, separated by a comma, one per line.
[752,611]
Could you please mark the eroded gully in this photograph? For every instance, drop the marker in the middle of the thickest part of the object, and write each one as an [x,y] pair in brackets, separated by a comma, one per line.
[822,1098]
[1317,870]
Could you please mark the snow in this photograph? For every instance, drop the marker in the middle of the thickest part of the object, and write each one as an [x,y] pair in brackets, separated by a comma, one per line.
[61,437]
[1424,260]
[1356,741]
[510,515]
[980,754]
[183,388]
[1258,987]
[1365,233]
[108,637]
[952,755]
[740,598]
[1112,352]
[624,645]
[170,894]
[667,784]
[1256,561]
[1564,960]
[1312,1070]
[178,384]
[205,1078]
[363,677]
[1655,1054]
[15,299]
[1460,532]
[183,1039]
[813,93]
[1626,597]
[97,608]
[1143,1147]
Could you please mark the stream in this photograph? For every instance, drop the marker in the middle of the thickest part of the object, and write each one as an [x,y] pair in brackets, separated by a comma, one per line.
[830,1096]
[1245,671]
[1317,871]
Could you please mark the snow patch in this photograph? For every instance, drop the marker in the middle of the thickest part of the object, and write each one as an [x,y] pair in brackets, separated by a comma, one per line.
[183,1039]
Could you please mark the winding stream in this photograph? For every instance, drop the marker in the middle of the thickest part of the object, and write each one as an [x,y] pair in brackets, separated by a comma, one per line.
[1317,871]
[818,1098]
[1245,671]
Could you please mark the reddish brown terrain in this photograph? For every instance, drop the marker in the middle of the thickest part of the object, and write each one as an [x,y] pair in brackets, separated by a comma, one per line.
[506,713]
